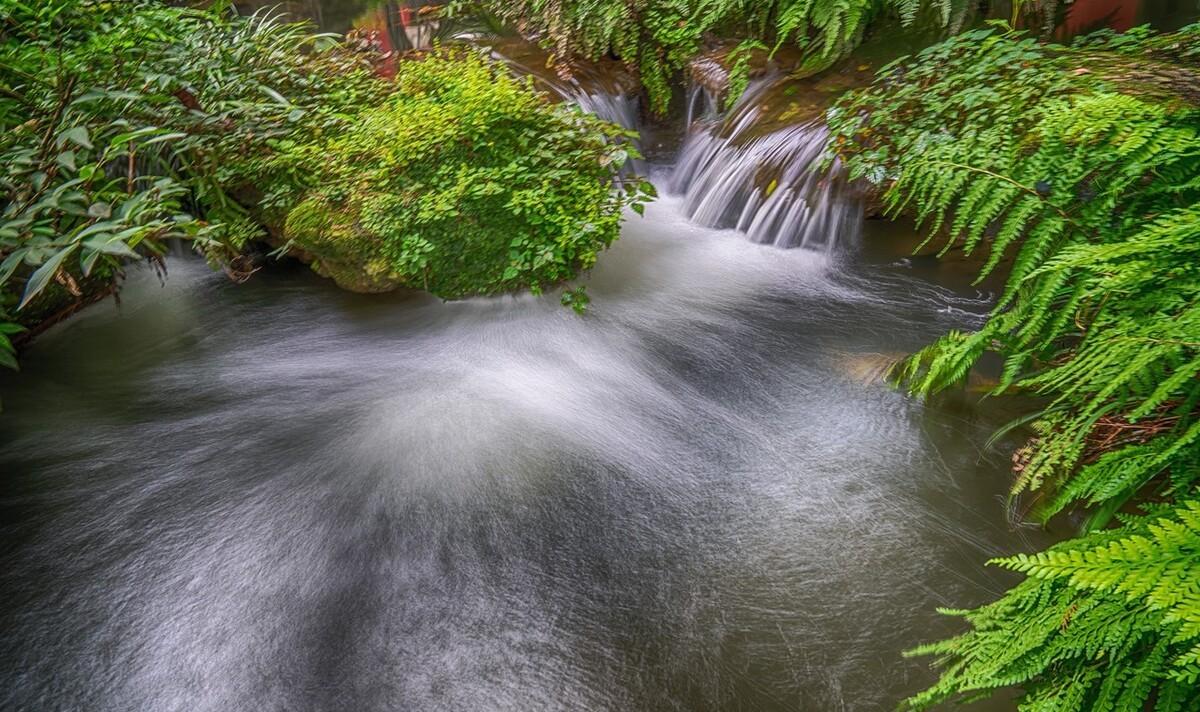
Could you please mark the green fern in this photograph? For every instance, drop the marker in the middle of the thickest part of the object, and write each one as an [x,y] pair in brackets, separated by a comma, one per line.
[1110,621]
[1091,192]
[657,38]
[1078,171]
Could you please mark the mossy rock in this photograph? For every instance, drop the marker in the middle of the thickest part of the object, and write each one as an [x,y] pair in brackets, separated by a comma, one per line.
[337,247]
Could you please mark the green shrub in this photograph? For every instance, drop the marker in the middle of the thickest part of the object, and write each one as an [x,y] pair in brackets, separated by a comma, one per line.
[123,124]
[464,181]
[126,124]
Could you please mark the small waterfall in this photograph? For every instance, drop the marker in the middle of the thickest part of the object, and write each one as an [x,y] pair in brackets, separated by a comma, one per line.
[619,109]
[771,185]
[701,98]
[597,89]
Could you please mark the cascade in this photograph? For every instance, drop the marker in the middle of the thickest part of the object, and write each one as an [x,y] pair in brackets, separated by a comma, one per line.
[619,109]
[702,105]
[601,89]
[769,185]
[616,108]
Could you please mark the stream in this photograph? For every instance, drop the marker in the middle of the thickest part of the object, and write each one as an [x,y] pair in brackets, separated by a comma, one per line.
[698,496]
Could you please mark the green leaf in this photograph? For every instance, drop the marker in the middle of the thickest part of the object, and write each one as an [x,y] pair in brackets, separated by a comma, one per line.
[10,264]
[130,136]
[113,245]
[77,135]
[162,138]
[66,159]
[42,276]
[88,261]
[279,98]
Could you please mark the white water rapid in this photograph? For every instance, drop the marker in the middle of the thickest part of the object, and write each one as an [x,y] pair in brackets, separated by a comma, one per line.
[280,496]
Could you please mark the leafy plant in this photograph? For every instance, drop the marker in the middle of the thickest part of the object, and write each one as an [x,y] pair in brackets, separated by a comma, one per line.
[117,120]
[1110,621]
[464,181]
[72,203]
[738,60]
[1078,168]
[126,125]
[657,38]
[577,299]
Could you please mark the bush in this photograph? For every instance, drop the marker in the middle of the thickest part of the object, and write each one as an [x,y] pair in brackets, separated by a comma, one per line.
[123,124]
[464,181]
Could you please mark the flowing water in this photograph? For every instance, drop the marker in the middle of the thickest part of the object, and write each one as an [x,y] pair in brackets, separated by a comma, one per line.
[279,496]
[773,186]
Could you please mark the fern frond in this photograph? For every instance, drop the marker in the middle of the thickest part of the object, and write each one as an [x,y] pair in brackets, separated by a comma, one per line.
[1095,183]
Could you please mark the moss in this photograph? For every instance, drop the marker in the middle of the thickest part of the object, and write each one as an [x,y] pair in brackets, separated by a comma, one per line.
[333,242]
